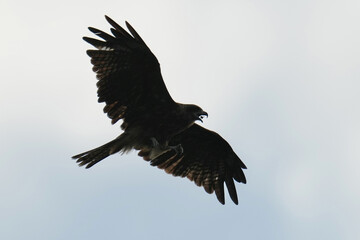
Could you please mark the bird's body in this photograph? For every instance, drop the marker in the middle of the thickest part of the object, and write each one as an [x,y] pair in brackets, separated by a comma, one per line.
[164,131]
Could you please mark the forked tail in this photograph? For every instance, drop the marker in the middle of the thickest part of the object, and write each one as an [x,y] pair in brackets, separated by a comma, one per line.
[95,155]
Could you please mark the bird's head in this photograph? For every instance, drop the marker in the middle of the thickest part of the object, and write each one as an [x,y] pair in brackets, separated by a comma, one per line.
[196,112]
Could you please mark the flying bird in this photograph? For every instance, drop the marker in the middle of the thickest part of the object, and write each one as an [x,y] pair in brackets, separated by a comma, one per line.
[162,130]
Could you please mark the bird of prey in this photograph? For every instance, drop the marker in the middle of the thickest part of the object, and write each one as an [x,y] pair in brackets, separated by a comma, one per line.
[162,130]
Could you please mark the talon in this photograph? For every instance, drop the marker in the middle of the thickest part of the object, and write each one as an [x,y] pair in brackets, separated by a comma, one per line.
[178,149]
[154,142]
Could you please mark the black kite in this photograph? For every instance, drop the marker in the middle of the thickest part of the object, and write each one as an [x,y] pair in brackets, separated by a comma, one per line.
[162,130]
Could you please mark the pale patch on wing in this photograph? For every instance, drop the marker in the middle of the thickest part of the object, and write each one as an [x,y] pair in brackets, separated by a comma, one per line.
[104,48]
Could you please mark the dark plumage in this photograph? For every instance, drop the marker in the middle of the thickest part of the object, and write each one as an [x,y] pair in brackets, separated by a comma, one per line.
[164,132]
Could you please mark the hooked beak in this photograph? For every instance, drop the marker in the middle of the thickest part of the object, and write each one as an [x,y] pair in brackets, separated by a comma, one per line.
[201,116]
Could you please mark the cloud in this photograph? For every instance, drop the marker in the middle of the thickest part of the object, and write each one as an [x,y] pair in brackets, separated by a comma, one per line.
[280,83]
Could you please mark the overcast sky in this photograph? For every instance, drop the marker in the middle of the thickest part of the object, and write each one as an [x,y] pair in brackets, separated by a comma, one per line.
[279,79]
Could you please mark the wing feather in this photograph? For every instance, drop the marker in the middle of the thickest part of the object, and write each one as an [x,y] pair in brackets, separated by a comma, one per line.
[219,191]
[231,188]
[134,33]
[101,45]
[118,29]
[102,34]
[128,73]
[208,160]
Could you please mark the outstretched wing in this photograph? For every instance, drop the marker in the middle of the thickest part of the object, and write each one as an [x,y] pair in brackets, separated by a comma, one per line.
[128,73]
[207,159]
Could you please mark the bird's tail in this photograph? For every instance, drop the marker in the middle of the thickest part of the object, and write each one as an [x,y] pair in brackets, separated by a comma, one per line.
[95,155]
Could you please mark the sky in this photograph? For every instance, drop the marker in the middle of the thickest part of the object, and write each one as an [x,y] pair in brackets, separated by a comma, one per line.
[279,79]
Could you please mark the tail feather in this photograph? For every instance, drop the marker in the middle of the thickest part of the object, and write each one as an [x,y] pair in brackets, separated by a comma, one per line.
[91,157]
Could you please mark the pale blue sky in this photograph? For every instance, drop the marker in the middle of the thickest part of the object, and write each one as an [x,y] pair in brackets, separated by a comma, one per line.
[279,79]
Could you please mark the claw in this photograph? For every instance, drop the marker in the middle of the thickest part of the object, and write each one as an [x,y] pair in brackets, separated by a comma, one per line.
[178,149]
[154,142]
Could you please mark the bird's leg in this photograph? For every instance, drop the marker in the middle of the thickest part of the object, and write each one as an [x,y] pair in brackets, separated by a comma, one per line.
[156,148]
[178,149]
[154,142]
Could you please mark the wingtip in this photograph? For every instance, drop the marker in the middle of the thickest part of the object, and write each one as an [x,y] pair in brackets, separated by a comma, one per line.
[109,20]
[87,39]
[93,30]
[219,192]
[243,166]
[128,25]
[231,189]
[107,17]
[88,52]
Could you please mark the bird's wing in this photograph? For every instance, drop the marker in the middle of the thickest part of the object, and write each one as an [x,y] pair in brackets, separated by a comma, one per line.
[128,73]
[207,159]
